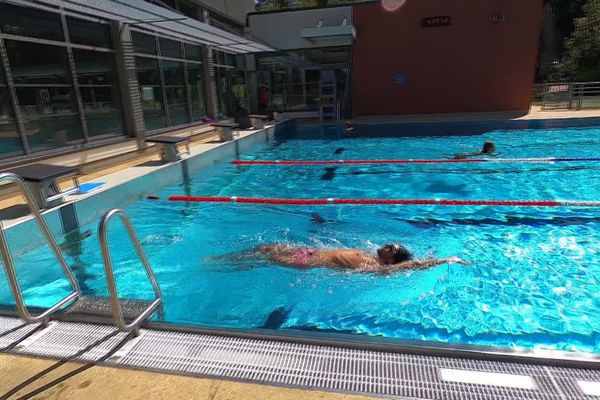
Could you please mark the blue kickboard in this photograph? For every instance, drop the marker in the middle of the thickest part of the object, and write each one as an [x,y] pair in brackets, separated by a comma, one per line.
[90,186]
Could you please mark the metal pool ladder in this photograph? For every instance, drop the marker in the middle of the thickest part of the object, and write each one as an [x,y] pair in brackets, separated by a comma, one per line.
[11,273]
[82,306]
[115,303]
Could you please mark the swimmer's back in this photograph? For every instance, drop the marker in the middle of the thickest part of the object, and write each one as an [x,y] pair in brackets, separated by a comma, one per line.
[346,258]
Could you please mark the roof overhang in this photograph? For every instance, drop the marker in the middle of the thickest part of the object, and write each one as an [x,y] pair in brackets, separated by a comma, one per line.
[156,19]
[339,35]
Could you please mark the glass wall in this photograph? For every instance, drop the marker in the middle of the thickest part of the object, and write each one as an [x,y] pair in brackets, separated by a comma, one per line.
[29,22]
[195,83]
[231,87]
[10,142]
[175,89]
[289,81]
[100,95]
[170,78]
[38,57]
[64,88]
[151,90]
[45,94]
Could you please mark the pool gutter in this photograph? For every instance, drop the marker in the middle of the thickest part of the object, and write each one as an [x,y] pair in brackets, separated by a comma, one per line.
[555,358]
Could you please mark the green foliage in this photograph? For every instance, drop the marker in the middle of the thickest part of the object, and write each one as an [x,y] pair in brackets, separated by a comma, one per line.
[565,12]
[275,5]
[582,61]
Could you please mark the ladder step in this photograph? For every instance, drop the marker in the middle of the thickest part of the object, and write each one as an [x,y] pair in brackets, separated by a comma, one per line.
[90,306]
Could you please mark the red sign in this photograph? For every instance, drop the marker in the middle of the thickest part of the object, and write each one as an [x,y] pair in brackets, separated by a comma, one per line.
[436,21]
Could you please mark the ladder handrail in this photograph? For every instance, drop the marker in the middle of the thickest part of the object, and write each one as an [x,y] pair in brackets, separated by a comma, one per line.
[10,265]
[110,277]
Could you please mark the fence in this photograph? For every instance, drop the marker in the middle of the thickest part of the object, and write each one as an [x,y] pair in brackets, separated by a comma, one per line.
[569,95]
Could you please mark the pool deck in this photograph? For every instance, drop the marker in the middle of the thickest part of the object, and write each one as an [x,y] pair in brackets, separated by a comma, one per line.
[50,379]
[112,176]
[98,360]
[536,113]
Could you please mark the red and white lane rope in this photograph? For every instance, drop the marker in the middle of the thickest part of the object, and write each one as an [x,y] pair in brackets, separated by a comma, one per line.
[416,161]
[404,202]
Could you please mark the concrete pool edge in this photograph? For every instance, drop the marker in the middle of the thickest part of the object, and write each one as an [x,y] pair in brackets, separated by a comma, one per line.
[557,358]
[278,363]
[133,185]
[543,357]
[455,127]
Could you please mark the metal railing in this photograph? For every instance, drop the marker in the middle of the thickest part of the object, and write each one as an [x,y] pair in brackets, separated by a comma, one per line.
[10,265]
[568,95]
[157,304]
[581,91]
[275,5]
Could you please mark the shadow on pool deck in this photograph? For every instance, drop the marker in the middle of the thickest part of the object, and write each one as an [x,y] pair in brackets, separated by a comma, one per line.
[24,377]
[36,378]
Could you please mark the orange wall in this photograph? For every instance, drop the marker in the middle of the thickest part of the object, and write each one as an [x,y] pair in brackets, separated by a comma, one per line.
[474,65]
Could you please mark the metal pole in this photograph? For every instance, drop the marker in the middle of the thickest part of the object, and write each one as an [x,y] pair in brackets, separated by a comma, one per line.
[12,92]
[187,85]
[129,85]
[162,82]
[74,79]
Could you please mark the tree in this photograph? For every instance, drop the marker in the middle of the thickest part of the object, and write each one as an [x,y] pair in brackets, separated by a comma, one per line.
[559,17]
[565,13]
[582,61]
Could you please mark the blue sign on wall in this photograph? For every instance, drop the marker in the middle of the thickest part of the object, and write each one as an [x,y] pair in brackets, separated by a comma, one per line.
[400,79]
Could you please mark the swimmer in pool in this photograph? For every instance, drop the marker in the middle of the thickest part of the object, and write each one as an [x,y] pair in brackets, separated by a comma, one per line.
[389,258]
[489,148]
[349,126]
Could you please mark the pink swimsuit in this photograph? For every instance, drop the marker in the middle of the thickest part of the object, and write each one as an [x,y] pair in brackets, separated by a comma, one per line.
[301,257]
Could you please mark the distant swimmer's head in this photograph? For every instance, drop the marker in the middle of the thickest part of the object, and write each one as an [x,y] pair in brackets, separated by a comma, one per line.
[489,148]
[393,254]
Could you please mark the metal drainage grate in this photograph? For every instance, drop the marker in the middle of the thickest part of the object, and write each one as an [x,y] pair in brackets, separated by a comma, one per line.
[567,379]
[74,341]
[13,331]
[327,368]
[302,365]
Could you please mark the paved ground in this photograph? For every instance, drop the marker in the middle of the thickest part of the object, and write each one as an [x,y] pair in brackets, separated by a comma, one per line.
[23,377]
[535,113]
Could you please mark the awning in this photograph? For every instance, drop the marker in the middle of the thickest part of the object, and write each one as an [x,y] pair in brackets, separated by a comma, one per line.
[338,35]
[159,20]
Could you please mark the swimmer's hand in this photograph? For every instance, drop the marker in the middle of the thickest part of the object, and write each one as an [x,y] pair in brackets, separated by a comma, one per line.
[457,260]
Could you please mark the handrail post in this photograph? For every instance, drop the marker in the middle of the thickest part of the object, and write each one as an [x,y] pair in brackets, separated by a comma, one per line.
[157,304]
[10,265]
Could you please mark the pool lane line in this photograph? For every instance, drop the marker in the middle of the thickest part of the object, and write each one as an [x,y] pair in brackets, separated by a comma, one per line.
[415,161]
[332,201]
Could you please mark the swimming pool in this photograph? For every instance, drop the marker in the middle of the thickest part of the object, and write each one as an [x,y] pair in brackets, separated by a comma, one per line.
[534,283]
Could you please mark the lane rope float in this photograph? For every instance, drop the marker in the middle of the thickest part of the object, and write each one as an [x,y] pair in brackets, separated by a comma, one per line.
[416,161]
[405,202]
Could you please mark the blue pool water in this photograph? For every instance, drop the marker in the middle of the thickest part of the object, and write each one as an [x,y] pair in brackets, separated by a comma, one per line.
[534,282]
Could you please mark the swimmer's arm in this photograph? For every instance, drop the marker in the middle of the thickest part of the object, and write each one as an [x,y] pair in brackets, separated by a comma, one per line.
[465,155]
[426,263]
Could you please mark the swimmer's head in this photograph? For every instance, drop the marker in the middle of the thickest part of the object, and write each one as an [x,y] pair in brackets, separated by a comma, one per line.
[393,254]
[489,148]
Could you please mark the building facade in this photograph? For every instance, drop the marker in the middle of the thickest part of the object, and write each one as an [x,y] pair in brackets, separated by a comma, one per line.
[433,56]
[82,74]
[396,57]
